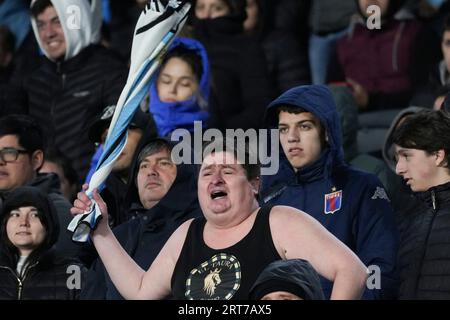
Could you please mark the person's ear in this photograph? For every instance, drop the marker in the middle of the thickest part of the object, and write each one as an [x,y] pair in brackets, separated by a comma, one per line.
[37,159]
[256,183]
[440,158]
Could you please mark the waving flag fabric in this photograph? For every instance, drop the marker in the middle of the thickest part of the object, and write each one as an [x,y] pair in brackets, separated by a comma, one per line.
[157,26]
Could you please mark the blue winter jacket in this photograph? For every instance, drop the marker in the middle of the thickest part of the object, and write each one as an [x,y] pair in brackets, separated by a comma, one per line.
[351,204]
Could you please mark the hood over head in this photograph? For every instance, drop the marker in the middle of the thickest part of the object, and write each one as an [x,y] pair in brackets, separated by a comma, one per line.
[32,196]
[199,49]
[183,187]
[388,147]
[296,276]
[97,20]
[318,100]
[233,23]
[76,20]
[173,115]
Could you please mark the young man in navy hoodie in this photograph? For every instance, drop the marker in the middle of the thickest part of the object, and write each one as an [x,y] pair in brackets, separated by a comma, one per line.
[313,177]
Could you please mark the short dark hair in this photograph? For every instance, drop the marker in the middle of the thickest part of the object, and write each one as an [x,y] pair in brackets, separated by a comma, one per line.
[297,110]
[39,6]
[252,170]
[289,109]
[153,147]
[53,154]
[29,134]
[427,130]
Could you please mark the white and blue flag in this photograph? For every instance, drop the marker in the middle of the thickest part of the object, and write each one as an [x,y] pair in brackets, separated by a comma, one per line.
[157,26]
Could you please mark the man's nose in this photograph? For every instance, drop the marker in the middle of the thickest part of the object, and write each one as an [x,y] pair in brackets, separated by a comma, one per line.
[48,30]
[151,170]
[293,135]
[399,168]
[217,178]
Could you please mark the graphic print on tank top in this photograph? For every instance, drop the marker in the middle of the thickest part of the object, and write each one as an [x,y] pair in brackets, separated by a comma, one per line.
[216,279]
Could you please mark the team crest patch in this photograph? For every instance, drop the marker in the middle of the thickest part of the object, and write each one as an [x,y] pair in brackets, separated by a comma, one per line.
[333,202]
[219,278]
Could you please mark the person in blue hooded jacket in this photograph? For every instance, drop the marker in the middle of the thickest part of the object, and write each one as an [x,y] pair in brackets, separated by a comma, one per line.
[180,94]
[313,177]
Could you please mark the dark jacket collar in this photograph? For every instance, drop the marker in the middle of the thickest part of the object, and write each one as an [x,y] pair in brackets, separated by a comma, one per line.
[47,182]
[71,65]
[212,28]
[436,197]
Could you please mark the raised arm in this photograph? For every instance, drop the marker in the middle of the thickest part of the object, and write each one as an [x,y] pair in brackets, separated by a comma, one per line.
[130,280]
[297,235]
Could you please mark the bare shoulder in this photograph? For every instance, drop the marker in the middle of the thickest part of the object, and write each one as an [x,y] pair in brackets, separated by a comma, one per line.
[281,213]
[180,233]
[283,219]
[172,249]
[287,227]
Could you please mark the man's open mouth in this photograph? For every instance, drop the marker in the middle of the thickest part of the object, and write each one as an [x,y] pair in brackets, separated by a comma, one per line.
[218,194]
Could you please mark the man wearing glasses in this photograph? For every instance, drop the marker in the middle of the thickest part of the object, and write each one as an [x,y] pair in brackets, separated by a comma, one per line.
[21,156]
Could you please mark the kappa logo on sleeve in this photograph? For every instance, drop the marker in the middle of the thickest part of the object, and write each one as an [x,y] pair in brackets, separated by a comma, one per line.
[380,193]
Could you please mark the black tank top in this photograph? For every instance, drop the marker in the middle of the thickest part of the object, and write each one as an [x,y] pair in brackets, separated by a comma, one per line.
[202,273]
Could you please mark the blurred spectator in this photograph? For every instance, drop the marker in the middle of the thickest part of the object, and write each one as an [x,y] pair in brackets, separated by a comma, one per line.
[240,78]
[431,12]
[293,279]
[9,95]
[292,16]
[287,60]
[384,65]
[433,93]
[56,162]
[124,15]
[74,82]
[328,21]
[348,114]
[180,95]
[6,53]
[29,267]
[15,15]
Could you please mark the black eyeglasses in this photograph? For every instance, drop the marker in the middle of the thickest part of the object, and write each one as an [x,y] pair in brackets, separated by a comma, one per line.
[10,154]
